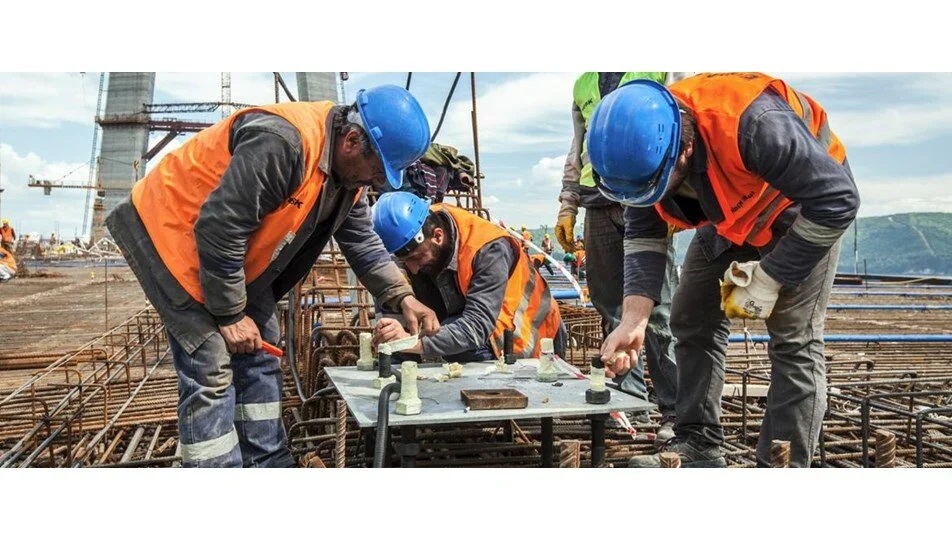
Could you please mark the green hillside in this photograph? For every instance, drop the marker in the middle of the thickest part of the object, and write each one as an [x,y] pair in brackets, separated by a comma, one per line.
[914,244]
[919,244]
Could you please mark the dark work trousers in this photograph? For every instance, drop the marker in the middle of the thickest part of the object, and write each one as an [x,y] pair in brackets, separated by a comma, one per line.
[605,254]
[229,411]
[796,400]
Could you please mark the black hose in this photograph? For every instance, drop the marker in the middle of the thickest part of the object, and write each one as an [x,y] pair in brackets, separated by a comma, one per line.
[446,106]
[409,76]
[289,344]
[316,395]
[383,421]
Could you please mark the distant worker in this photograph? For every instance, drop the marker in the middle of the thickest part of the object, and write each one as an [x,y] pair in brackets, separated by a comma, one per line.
[547,244]
[754,165]
[579,254]
[604,238]
[568,259]
[229,222]
[527,237]
[53,239]
[7,235]
[473,274]
[8,265]
[539,260]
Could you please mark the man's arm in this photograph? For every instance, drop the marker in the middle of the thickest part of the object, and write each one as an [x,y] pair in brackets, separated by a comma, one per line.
[366,255]
[646,248]
[264,169]
[775,144]
[569,198]
[484,299]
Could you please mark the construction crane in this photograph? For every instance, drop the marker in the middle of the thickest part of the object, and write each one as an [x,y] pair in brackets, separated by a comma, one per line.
[92,155]
[48,185]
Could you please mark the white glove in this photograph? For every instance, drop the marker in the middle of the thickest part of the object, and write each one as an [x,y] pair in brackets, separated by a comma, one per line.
[748,292]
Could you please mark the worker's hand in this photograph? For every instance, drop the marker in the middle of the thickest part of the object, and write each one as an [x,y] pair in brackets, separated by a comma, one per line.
[388,330]
[242,337]
[748,292]
[565,231]
[419,317]
[619,350]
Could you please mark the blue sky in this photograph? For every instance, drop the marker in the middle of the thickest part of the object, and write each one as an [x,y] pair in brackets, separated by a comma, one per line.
[897,128]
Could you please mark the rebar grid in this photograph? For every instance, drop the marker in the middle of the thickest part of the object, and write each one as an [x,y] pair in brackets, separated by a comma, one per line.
[81,409]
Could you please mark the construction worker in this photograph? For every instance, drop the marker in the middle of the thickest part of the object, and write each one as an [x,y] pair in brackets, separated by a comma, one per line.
[7,235]
[539,260]
[527,237]
[604,231]
[753,165]
[229,222]
[579,254]
[547,244]
[473,274]
[8,265]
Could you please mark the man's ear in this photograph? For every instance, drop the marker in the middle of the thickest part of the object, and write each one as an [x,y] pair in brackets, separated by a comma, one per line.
[686,153]
[439,236]
[351,142]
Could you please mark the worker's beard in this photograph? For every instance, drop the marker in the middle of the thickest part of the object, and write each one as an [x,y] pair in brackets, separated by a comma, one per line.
[438,262]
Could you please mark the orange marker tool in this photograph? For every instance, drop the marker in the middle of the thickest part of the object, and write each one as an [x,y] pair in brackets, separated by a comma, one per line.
[271,349]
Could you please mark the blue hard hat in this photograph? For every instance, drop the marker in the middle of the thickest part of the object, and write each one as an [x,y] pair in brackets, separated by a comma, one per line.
[633,142]
[398,220]
[397,126]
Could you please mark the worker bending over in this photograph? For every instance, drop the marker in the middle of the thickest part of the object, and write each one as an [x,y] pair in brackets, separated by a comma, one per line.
[754,166]
[473,274]
[229,222]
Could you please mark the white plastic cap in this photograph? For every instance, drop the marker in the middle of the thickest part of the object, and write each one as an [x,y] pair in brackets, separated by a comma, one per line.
[546,345]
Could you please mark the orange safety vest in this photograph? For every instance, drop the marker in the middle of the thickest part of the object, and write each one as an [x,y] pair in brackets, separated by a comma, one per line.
[748,203]
[528,307]
[538,259]
[170,197]
[7,259]
[7,233]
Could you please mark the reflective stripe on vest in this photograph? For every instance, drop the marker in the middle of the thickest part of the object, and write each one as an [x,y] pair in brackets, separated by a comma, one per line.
[170,197]
[749,205]
[528,308]
[587,97]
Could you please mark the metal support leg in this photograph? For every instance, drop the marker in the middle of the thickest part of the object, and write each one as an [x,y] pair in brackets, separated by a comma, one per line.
[408,448]
[598,439]
[547,442]
[507,434]
[370,442]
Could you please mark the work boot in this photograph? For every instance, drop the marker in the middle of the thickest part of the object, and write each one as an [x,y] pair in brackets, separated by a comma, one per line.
[692,456]
[639,418]
[665,432]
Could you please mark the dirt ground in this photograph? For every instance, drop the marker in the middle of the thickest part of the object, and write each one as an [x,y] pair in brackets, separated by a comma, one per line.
[60,308]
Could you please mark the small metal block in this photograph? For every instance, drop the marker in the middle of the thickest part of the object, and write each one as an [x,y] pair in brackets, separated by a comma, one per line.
[598,397]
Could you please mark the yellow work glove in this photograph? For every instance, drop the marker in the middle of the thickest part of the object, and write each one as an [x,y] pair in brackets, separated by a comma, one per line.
[747,291]
[565,232]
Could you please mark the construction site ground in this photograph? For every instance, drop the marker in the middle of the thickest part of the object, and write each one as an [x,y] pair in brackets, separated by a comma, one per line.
[86,380]
[53,308]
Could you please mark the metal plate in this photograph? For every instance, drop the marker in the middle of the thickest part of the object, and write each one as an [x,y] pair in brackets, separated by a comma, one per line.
[442,403]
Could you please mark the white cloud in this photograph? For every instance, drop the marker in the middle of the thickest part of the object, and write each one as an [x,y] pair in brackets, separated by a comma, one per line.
[48,100]
[250,88]
[896,125]
[897,195]
[29,210]
[530,112]
[548,171]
